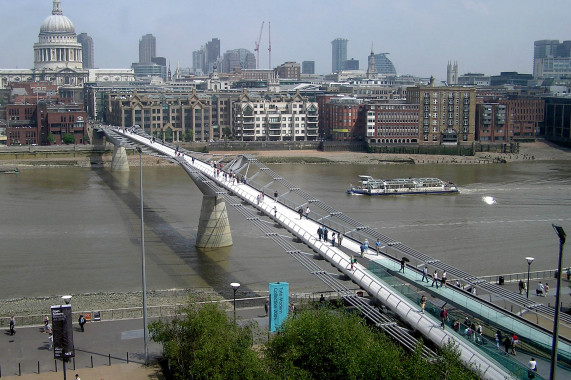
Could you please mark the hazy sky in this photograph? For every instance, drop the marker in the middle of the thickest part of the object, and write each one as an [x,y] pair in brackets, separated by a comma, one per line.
[421,36]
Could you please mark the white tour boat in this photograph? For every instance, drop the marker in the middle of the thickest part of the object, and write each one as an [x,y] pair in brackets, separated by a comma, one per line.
[370,186]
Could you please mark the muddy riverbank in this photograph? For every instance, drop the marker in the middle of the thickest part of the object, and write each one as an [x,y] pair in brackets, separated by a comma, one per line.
[540,150]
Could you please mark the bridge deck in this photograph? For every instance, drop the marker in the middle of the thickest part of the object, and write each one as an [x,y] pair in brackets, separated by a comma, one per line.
[305,229]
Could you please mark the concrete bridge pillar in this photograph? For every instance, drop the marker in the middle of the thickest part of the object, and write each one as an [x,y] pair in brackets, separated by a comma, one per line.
[213,226]
[119,161]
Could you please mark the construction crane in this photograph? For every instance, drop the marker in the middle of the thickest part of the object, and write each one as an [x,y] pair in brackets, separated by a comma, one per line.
[257,46]
[269,46]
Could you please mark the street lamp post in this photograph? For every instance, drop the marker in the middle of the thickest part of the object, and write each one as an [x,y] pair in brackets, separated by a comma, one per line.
[529,261]
[235,286]
[145,331]
[561,234]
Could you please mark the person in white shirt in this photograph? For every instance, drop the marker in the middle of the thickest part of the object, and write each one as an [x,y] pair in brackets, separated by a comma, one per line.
[531,368]
[540,289]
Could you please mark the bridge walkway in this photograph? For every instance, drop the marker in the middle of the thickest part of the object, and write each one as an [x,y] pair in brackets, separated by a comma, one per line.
[461,304]
[304,228]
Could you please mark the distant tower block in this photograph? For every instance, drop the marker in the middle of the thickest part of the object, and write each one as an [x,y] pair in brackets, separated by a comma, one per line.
[213,226]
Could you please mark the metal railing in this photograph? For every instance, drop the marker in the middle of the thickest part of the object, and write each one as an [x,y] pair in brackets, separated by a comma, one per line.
[160,311]
[535,275]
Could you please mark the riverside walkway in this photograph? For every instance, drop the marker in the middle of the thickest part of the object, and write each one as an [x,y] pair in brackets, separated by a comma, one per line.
[283,211]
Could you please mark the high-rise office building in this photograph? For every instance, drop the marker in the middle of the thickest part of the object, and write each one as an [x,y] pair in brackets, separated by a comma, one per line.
[308,67]
[338,53]
[147,48]
[198,60]
[211,53]
[551,59]
[350,64]
[238,58]
[384,64]
[87,50]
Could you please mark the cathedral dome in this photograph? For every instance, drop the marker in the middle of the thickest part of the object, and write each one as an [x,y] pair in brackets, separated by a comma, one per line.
[57,23]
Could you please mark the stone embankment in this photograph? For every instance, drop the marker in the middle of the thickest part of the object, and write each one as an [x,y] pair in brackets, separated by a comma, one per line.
[540,150]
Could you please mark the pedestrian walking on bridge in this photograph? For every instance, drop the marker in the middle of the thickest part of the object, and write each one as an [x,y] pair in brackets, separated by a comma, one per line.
[402,264]
[443,317]
[424,274]
[435,279]
[422,303]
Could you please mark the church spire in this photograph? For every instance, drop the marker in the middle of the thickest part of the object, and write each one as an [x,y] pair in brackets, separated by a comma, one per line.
[56,10]
[372,72]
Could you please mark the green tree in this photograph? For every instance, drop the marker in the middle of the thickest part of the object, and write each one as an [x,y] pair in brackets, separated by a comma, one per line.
[188,135]
[51,138]
[327,344]
[68,138]
[202,343]
[226,132]
[333,344]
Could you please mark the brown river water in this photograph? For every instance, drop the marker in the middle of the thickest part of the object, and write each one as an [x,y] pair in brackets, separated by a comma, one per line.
[77,230]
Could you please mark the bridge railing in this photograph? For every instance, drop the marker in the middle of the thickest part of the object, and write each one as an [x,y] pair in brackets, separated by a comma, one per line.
[533,276]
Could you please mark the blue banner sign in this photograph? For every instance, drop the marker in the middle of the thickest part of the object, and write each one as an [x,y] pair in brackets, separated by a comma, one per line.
[279,304]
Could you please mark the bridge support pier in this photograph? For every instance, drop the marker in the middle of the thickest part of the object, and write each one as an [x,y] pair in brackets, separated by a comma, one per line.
[213,226]
[119,161]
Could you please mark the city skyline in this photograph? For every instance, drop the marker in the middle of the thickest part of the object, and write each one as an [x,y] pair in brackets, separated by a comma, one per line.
[482,36]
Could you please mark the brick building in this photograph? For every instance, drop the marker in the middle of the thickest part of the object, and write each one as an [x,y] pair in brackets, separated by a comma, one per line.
[343,118]
[508,119]
[392,123]
[43,123]
[23,126]
[446,113]
[61,119]
[289,70]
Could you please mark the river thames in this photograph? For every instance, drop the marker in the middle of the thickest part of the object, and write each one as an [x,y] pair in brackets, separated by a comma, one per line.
[77,230]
